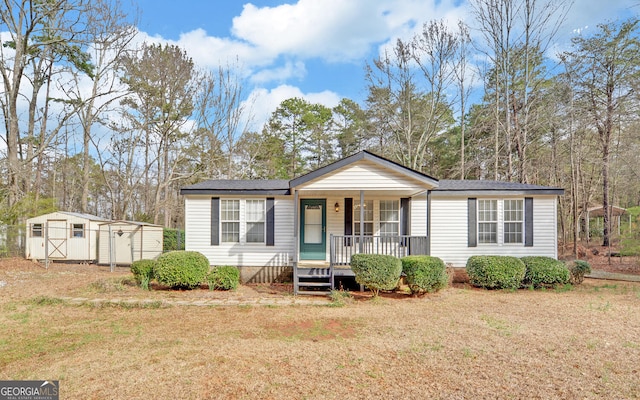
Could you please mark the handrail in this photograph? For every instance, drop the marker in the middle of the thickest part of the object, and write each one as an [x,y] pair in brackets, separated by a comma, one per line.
[342,247]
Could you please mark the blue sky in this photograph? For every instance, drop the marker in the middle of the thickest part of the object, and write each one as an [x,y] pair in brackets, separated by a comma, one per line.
[316,49]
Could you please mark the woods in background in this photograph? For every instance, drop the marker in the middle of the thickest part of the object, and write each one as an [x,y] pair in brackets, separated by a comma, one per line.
[97,123]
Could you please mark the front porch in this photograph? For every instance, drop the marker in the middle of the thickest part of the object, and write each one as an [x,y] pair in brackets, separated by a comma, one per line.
[317,277]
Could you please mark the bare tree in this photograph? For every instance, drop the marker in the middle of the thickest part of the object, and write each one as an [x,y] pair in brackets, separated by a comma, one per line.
[109,33]
[162,84]
[517,35]
[409,92]
[45,38]
[222,117]
[464,82]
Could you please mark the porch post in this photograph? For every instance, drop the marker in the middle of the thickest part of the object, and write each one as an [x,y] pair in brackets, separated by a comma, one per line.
[429,222]
[296,243]
[361,220]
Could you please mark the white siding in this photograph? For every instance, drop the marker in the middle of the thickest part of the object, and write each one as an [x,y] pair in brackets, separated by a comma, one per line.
[149,243]
[364,176]
[198,235]
[73,248]
[418,215]
[137,242]
[449,231]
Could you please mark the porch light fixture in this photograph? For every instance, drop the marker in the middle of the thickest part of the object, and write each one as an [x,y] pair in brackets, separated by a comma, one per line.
[337,207]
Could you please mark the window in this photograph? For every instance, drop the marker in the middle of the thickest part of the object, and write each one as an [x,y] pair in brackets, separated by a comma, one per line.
[487,221]
[513,217]
[254,213]
[230,220]
[368,218]
[36,230]
[77,230]
[389,217]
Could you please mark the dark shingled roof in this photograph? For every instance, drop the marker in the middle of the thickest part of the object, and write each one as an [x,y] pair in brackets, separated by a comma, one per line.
[448,185]
[237,186]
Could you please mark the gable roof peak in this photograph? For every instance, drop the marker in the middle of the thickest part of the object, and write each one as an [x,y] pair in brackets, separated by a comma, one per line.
[368,156]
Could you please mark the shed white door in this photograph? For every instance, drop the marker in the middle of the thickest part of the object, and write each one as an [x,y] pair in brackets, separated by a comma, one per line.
[57,238]
[122,245]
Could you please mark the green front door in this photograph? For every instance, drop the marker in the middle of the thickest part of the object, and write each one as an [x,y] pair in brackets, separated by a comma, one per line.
[313,218]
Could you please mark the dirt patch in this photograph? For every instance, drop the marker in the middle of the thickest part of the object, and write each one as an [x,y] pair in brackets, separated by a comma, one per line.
[599,259]
[22,278]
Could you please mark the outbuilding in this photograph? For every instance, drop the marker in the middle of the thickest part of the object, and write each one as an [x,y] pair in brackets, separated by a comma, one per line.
[122,242]
[63,236]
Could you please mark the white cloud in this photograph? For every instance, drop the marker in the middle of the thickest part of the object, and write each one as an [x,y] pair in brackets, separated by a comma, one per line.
[295,69]
[335,30]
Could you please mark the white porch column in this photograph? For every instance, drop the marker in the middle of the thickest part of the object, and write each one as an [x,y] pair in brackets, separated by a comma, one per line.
[296,244]
[361,220]
[296,226]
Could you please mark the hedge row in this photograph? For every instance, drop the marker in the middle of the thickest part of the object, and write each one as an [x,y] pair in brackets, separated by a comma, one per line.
[505,272]
[424,274]
[184,270]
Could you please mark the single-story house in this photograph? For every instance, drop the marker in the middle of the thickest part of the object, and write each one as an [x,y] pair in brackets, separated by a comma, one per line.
[123,242]
[363,203]
[63,236]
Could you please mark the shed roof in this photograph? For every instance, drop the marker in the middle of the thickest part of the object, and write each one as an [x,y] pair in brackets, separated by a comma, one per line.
[90,217]
[598,211]
[137,223]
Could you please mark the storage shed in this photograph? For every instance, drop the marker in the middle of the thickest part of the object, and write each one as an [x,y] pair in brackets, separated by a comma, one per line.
[122,242]
[64,236]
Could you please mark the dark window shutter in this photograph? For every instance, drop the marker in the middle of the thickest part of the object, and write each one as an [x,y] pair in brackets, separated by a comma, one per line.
[270,221]
[472,222]
[215,221]
[528,221]
[404,215]
[348,220]
[348,216]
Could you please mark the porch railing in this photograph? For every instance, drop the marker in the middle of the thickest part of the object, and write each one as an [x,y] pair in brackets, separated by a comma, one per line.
[342,247]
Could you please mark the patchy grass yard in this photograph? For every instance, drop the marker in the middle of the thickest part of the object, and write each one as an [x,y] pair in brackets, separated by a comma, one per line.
[459,343]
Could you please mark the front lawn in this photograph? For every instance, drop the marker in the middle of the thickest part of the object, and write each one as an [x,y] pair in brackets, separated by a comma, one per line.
[459,343]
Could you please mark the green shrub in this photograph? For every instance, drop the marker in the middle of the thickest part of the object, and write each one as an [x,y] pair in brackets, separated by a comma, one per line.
[578,269]
[495,272]
[376,271]
[181,269]
[340,298]
[544,272]
[143,272]
[225,277]
[172,239]
[425,273]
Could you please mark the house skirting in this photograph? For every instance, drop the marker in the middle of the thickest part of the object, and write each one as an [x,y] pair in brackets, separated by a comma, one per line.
[266,274]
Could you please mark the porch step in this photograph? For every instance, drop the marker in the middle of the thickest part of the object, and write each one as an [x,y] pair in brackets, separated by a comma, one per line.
[313,279]
[314,284]
[314,272]
[314,292]
[314,276]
